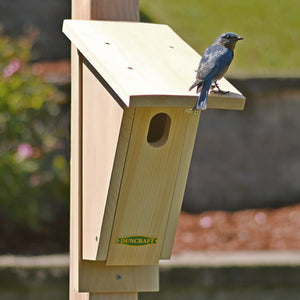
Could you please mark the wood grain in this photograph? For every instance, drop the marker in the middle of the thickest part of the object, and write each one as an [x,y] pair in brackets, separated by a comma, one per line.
[145,63]
[101,123]
[123,296]
[121,10]
[147,189]
[183,170]
[115,183]
[97,277]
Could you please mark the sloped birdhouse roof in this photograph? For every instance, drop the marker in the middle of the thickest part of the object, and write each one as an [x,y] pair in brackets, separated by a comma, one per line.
[145,64]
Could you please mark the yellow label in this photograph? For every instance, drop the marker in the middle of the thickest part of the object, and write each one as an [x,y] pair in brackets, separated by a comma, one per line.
[137,240]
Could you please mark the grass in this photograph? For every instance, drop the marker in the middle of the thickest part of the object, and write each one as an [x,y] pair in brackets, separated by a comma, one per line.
[270,28]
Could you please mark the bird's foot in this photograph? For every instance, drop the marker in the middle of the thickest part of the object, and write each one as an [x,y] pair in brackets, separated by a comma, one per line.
[215,85]
[220,92]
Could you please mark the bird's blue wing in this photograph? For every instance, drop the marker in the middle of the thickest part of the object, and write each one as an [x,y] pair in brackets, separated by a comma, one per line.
[215,59]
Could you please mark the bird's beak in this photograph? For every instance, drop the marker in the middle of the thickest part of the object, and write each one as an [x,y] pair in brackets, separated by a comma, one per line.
[240,38]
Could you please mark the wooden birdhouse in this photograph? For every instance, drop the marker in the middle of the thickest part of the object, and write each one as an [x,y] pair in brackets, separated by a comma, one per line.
[135,143]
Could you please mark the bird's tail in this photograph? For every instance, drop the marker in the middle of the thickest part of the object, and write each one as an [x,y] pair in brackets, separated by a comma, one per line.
[202,99]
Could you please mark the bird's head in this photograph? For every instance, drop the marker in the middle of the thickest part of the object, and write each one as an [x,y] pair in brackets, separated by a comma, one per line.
[228,40]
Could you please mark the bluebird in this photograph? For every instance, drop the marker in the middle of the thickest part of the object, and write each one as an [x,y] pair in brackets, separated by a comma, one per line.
[212,67]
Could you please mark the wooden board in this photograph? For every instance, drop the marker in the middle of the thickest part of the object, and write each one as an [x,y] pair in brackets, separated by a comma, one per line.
[122,10]
[147,60]
[123,296]
[183,170]
[115,183]
[147,189]
[75,166]
[101,123]
[97,277]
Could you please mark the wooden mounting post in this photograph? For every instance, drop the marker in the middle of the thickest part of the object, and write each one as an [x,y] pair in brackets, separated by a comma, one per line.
[115,10]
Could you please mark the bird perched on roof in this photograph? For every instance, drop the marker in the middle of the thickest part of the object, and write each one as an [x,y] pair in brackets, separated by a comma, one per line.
[212,67]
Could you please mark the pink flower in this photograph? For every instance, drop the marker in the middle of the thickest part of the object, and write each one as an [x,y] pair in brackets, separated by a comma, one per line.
[260,218]
[205,222]
[25,150]
[12,68]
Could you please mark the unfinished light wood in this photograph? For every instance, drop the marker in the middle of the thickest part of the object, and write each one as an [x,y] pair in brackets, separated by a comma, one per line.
[123,296]
[75,188]
[121,10]
[101,123]
[97,277]
[115,183]
[145,63]
[183,170]
[147,190]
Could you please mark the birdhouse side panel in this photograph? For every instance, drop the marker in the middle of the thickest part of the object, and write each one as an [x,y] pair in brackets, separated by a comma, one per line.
[114,187]
[101,122]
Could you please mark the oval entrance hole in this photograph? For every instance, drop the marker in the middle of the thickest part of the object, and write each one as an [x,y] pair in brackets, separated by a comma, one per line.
[158,131]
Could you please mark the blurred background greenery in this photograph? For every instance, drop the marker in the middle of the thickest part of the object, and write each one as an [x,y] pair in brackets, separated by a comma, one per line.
[34,114]
[34,172]
[270,29]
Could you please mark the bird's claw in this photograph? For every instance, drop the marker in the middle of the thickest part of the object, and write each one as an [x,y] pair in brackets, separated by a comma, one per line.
[220,92]
[216,85]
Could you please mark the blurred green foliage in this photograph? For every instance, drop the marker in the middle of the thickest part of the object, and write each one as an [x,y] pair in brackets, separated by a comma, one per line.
[34,169]
[270,29]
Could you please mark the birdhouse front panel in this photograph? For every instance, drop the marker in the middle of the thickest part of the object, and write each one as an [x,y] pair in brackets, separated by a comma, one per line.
[148,183]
